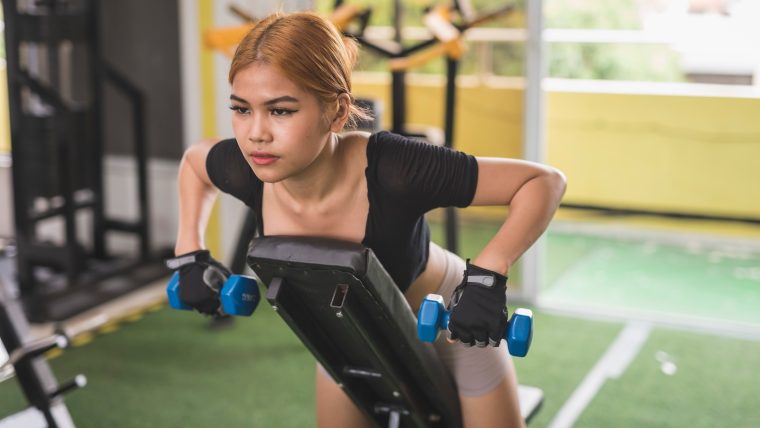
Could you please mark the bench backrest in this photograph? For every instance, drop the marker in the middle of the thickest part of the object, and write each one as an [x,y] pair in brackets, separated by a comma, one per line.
[345,308]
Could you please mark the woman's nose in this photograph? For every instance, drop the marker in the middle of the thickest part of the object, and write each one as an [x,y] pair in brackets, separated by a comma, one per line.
[259,129]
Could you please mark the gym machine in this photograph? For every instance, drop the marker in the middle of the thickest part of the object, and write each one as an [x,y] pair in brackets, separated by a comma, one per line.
[56,82]
[23,358]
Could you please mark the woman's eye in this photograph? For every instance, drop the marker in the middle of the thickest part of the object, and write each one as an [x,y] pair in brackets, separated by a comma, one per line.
[239,109]
[281,112]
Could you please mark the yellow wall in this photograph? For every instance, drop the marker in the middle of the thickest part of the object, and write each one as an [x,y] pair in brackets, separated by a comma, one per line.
[676,153]
[212,236]
[489,120]
[5,137]
[653,152]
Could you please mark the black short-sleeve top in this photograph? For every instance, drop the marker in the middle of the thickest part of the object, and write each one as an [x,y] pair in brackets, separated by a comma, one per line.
[405,179]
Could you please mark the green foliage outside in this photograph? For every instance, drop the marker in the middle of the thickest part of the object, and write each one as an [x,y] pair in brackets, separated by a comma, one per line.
[583,14]
[614,62]
[605,61]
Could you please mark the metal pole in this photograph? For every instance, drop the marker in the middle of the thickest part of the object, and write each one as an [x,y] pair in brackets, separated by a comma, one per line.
[533,135]
[398,78]
[452,241]
[96,64]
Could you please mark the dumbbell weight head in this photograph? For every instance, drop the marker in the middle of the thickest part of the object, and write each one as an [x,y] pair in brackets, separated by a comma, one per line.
[520,332]
[172,292]
[240,295]
[431,318]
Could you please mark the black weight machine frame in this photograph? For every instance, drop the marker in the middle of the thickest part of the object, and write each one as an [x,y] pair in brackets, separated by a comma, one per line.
[73,133]
[26,361]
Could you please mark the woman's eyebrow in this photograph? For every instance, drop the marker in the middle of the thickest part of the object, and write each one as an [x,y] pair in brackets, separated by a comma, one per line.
[234,97]
[282,99]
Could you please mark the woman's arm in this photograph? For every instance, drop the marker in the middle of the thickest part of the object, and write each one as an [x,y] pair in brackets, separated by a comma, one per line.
[532,191]
[196,198]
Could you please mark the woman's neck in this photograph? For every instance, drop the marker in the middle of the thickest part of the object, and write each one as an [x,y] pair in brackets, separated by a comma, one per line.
[320,179]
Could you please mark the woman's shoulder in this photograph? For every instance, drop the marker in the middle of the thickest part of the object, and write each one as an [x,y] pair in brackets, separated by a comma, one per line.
[373,146]
[355,137]
[353,144]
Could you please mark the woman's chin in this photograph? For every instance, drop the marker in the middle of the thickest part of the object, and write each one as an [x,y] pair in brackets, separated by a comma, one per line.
[268,176]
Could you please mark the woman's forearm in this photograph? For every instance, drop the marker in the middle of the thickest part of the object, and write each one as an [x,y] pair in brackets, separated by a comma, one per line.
[196,198]
[530,212]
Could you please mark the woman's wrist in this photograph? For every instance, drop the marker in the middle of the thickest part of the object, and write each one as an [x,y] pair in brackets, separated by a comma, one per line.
[184,247]
[493,264]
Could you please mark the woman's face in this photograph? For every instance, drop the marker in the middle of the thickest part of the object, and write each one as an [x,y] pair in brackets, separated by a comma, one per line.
[280,128]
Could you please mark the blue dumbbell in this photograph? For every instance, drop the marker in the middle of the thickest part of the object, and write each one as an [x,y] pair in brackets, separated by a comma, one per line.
[433,317]
[239,296]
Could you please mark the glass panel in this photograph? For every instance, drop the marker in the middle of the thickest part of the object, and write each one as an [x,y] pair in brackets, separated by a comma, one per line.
[655,63]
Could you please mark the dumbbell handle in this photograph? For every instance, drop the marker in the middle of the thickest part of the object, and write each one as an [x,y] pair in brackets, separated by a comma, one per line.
[239,295]
[518,335]
[519,311]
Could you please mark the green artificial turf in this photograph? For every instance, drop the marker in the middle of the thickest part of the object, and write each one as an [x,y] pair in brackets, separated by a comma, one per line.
[676,280]
[716,384]
[562,352]
[170,370]
[692,280]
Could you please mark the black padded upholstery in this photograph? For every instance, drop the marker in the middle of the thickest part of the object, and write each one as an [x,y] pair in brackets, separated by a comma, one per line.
[367,340]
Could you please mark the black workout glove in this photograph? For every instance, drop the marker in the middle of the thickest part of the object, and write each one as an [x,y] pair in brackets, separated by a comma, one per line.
[200,280]
[478,308]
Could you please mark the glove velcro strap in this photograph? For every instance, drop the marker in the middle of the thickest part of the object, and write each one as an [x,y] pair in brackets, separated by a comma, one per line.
[484,280]
[187,259]
[477,275]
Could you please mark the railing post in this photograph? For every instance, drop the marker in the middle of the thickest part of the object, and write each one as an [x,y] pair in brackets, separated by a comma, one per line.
[533,136]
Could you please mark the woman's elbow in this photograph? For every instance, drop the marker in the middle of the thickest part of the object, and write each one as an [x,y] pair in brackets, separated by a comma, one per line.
[558,183]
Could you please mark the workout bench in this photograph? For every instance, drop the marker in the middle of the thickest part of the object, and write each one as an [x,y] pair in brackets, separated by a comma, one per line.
[343,305]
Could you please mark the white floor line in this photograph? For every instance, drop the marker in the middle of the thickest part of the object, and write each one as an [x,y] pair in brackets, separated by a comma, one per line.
[612,364]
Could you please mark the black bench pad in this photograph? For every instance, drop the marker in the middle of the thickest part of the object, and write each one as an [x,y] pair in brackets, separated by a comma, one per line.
[345,308]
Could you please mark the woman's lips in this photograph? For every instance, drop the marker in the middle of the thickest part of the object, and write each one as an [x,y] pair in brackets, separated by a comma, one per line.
[263,158]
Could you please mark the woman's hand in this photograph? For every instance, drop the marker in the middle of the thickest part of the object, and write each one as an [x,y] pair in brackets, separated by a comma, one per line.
[478,308]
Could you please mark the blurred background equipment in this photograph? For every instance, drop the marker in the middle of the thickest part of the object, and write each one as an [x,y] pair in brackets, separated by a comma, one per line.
[22,357]
[57,79]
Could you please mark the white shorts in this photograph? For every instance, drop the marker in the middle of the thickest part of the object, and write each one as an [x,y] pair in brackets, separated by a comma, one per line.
[476,370]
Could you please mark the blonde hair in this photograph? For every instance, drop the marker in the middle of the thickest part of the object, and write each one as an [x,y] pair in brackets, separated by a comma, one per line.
[309,50]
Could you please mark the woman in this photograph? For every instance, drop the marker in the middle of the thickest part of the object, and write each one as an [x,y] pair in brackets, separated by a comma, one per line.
[291,98]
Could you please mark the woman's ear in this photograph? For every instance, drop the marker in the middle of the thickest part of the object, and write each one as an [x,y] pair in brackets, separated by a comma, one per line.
[341,113]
